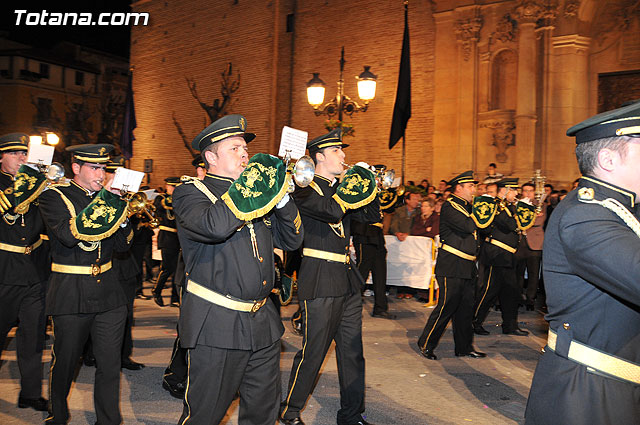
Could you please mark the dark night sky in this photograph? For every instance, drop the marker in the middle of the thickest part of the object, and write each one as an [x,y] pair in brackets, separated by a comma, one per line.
[113,39]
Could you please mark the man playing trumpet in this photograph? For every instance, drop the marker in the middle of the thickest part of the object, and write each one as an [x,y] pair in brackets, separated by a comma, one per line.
[86,222]
[328,286]
[228,224]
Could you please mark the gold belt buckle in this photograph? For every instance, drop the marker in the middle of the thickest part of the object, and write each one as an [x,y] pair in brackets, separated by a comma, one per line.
[95,269]
[257,305]
[27,250]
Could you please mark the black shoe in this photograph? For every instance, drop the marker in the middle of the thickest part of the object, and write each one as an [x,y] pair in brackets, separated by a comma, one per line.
[142,296]
[39,404]
[296,326]
[158,300]
[176,390]
[428,353]
[131,365]
[516,331]
[530,307]
[384,315]
[89,361]
[294,421]
[479,330]
[473,353]
[175,304]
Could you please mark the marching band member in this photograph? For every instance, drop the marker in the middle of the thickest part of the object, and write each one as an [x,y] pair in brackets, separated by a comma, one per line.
[456,272]
[228,224]
[23,263]
[86,222]
[328,285]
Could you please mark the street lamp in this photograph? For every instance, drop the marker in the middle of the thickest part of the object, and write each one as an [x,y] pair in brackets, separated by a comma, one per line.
[341,103]
[50,137]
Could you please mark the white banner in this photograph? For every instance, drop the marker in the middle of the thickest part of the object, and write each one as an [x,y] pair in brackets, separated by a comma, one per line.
[410,262]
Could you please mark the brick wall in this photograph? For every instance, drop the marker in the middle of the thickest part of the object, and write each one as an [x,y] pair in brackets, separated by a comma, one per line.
[194,39]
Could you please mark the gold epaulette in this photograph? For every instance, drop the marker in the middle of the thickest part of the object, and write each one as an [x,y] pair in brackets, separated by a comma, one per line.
[200,186]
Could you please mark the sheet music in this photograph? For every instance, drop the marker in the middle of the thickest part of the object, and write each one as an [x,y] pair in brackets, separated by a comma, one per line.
[294,141]
[127,179]
[40,154]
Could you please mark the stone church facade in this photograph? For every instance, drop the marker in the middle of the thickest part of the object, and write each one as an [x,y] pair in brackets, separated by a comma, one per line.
[492,81]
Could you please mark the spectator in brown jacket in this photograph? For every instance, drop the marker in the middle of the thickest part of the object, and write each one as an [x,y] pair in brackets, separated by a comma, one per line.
[529,253]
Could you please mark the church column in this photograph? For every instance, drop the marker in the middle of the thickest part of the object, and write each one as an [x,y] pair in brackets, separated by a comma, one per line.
[467,30]
[527,13]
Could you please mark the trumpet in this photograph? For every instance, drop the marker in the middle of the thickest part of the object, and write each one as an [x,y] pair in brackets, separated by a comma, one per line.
[140,206]
[54,173]
[302,171]
[384,177]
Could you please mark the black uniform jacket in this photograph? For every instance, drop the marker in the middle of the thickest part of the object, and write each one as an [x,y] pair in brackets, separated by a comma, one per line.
[591,271]
[503,230]
[457,230]
[367,234]
[219,255]
[166,218]
[79,293]
[15,229]
[328,228]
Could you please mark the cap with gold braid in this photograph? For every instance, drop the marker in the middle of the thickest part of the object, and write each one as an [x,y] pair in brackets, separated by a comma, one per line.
[228,126]
[510,182]
[623,121]
[332,138]
[198,162]
[14,142]
[114,164]
[466,177]
[173,181]
[92,153]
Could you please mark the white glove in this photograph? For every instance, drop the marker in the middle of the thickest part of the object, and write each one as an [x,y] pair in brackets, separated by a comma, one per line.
[363,165]
[283,201]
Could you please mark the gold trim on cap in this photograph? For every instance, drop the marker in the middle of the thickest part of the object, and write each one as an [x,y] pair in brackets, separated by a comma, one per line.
[628,130]
[96,159]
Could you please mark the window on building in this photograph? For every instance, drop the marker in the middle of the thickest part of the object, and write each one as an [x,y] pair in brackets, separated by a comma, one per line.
[290,22]
[44,112]
[44,70]
[75,116]
[79,78]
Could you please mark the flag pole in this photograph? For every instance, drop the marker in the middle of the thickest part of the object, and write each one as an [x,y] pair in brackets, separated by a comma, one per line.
[404,151]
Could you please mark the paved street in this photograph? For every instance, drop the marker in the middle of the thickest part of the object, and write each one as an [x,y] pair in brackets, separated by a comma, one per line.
[402,386]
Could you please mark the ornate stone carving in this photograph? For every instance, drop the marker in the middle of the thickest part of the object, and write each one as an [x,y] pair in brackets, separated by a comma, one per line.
[571,8]
[506,29]
[468,32]
[503,136]
[541,12]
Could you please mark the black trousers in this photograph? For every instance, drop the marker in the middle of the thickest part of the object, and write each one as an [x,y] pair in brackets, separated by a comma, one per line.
[373,259]
[142,254]
[177,370]
[528,259]
[168,269]
[24,305]
[455,301]
[129,287]
[217,374]
[328,319]
[70,334]
[501,283]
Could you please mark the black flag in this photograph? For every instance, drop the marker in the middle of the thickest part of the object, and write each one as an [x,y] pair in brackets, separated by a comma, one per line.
[129,123]
[402,107]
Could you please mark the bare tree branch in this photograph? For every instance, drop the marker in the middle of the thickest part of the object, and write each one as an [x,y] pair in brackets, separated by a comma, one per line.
[185,140]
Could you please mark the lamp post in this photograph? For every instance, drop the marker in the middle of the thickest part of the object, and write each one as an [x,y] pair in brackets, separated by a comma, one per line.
[341,103]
